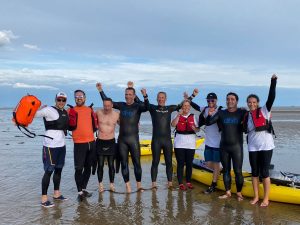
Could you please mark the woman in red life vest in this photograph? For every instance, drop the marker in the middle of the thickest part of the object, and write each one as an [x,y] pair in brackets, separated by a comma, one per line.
[260,141]
[185,143]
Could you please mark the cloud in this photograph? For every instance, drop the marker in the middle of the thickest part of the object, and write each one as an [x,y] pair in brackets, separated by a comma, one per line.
[23,85]
[6,36]
[162,74]
[31,47]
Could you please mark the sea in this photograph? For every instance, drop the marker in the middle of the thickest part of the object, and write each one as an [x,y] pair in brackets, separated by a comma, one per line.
[22,170]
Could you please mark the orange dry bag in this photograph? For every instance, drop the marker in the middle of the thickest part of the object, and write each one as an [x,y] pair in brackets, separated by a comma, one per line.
[25,110]
[24,113]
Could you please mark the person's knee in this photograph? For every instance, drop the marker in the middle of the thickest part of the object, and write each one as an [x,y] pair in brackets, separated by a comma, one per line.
[265,173]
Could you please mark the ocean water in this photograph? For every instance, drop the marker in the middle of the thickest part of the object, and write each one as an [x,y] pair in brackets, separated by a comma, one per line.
[22,170]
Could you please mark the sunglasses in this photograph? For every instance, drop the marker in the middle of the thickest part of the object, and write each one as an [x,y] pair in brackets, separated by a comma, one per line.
[79,97]
[210,100]
[61,100]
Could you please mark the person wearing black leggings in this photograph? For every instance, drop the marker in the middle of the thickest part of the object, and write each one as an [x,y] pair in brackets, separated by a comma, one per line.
[161,136]
[128,141]
[230,123]
[54,146]
[258,126]
[185,143]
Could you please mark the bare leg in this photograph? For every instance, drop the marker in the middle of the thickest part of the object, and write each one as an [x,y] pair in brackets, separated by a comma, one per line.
[255,184]
[101,187]
[112,187]
[216,167]
[154,185]
[139,186]
[128,187]
[266,183]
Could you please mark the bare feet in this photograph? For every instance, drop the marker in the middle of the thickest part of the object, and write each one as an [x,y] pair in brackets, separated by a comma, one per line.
[101,187]
[254,201]
[154,187]
[139,186]
[170,184]
[239,196]
[112,187]
[264,204]
[128,187]
[226,195]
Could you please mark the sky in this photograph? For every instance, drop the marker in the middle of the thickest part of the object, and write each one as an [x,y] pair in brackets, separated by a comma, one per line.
[170,45]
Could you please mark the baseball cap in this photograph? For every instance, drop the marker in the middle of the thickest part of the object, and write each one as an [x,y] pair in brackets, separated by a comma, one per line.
[61,95]
[211,96]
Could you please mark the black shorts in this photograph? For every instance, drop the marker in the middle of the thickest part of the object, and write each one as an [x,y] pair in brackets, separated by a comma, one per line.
[84,154]
[106,147]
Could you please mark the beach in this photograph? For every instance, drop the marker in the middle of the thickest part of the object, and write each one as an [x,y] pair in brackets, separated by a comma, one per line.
[22,170]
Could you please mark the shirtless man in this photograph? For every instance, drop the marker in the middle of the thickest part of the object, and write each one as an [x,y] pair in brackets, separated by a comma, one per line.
[128,140]
[106,143]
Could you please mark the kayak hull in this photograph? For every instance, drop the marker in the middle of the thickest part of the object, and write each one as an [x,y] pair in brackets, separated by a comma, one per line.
[146,146]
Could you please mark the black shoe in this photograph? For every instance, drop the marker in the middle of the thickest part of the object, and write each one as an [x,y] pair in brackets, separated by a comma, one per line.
[86,194]
[80,197]
[210,190]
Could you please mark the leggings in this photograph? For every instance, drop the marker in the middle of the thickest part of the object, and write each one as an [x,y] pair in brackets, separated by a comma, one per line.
[260,163]
[166,145]
[130,144]
[82,177]
[46,180]
[184,156]
[234,154]
[111,168]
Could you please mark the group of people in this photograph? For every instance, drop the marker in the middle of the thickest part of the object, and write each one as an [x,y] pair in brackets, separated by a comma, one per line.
[223,142]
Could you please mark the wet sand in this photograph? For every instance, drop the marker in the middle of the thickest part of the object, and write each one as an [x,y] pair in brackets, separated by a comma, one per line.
[22,170]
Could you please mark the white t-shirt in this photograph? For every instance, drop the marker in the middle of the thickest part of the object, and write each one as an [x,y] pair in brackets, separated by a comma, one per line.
[261,140]
[186,140]
[58,136]
[212,134]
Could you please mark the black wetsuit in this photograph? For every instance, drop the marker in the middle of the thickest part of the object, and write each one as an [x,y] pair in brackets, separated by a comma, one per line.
[161,137]
[231,145]
[128,140]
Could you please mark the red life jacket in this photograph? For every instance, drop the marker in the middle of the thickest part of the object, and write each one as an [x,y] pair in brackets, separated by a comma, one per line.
[73,118]
[184,125]
[259,121]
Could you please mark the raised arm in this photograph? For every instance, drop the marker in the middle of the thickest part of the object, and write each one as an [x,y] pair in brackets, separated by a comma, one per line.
[272,93]
[116,105]
[144,106]
[193,104]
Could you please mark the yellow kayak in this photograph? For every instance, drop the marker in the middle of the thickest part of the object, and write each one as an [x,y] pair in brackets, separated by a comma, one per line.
[146,146]
[278,193]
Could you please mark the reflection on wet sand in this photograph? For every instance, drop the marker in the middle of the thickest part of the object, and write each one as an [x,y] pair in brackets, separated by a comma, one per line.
[21,169]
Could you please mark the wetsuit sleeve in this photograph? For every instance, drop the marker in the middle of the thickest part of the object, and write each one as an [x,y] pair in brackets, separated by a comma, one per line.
[116,105]
[137,99]
[144,106]
[212,119]
[173,108]
[103,95]
[272,93]
[195,106]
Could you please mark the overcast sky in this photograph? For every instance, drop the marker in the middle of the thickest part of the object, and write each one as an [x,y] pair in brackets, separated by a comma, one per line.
[46,46]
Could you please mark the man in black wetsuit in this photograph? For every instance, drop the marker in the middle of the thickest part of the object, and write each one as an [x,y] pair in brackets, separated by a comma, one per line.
[231,145]
[128,141]
[161,136]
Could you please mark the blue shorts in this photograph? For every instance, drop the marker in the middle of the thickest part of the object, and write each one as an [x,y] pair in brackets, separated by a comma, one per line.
[53,158]
[212,154]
